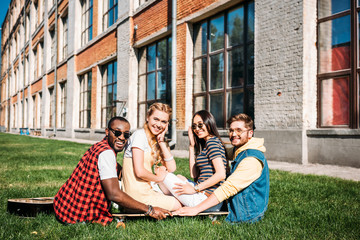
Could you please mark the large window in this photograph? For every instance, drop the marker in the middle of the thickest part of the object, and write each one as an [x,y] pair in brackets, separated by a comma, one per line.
[65,21]
[338,66]
[109,92]
[53,47]
[224,64]
[85,100]
[110,12]
[63,104]
[154,76]
[86,21]
[52,107]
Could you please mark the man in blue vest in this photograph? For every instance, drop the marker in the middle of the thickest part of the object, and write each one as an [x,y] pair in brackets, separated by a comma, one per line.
[247,187]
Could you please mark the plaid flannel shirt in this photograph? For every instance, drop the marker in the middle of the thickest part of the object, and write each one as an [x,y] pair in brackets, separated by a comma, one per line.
[82,198]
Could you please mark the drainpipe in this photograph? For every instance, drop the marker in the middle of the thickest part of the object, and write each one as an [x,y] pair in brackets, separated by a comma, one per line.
[23,96]
[55,67]
[173,75]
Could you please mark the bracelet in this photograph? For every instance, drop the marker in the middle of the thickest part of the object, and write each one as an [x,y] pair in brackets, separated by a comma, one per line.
[169,159]
[149,210]
[196,188]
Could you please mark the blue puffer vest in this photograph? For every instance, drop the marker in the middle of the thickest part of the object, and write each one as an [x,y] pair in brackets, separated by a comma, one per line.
[250,204]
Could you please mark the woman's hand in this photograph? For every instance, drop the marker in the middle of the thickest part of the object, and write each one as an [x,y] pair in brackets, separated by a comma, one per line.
[160,173]
[187,211]
[184,188]
[161,137]
[191,138]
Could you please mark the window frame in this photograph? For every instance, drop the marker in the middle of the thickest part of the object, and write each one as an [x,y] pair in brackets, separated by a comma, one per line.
[353,73]
[86,16]
[225,50]
[104,89]
[107,10]
[84,106]
[63,101]
[157,69]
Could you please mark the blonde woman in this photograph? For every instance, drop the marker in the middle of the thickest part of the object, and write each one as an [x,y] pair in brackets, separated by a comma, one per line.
[147,151]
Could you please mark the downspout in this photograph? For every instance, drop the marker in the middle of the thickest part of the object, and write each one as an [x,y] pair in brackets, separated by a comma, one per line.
[173,75]
[55,67]
[9,103]
[23,105]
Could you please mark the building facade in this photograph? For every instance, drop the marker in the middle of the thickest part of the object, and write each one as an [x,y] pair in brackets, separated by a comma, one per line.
[68,66]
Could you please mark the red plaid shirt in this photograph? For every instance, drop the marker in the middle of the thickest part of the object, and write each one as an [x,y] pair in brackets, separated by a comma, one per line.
[82,198]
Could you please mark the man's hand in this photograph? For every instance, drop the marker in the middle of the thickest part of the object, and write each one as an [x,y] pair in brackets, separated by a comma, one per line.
[182,188]
[187,211]
[159,213]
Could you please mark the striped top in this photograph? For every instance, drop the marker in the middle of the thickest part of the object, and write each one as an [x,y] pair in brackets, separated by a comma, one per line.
[213,149]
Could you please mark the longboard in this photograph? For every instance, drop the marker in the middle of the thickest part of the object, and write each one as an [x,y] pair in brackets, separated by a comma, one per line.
[30,207]
[124,215]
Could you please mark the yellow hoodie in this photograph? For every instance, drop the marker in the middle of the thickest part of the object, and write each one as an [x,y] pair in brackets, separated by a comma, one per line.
[245,173]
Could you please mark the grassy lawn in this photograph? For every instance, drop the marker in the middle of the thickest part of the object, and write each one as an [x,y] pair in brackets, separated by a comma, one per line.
[300,207]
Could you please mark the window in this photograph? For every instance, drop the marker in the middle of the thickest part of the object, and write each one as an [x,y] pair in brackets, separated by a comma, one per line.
[53,47]
[34,105]
[35,64]
[224,64]
[154,76]
[85,100]
[65,36]
[52,107]
[86,21]
[27,26]
[36,14]
[26,66]
[41,56]
[109,92]
[110,13]
[338,63]
[62,104]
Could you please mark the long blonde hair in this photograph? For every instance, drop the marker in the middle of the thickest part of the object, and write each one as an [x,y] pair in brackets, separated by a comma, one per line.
[155,148]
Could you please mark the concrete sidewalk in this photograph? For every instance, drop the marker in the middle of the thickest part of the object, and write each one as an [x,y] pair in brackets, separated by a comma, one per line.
[348,173]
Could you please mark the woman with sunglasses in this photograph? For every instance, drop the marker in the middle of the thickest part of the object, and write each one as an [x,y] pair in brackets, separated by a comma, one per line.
[208,168]
[147,159]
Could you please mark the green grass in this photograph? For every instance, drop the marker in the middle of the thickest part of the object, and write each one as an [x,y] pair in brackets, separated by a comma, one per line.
[300,207]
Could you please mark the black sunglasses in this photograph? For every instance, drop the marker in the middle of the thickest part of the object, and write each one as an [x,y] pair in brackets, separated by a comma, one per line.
[194,126]
[119,133]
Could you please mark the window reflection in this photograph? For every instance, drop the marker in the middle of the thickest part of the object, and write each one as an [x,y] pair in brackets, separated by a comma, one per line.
[217,33]
[216,108]
[251,25]
[200,75]
[335,101]
[151,57]
[331,7]
[151,86]
[236,27]
[235,103]
[200,45]
[161,88]
[236,68]
[216,71]
[199,103]
[334,44]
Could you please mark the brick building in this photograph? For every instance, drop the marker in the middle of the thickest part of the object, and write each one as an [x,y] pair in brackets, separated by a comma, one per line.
[70,65]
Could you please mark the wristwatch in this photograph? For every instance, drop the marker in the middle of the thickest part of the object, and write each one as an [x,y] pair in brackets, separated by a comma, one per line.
[197,188]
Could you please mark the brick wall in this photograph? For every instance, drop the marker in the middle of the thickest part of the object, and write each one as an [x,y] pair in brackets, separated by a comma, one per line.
[36,87]
[102,49]
[181,75]
[278,64]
